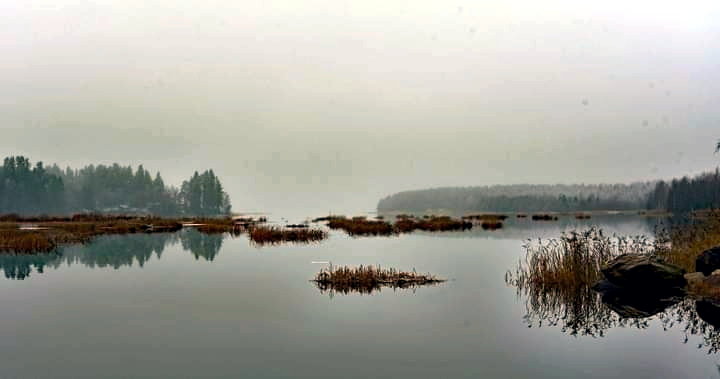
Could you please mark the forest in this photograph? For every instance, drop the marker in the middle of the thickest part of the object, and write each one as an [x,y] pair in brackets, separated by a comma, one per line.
[687,194]
[33,189]
[678,196]
[523,198]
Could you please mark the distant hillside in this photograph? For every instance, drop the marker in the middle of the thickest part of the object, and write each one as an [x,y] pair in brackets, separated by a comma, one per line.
[523,198]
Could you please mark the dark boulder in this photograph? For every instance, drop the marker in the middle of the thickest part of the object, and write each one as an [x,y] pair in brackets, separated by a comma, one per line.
[708,261]
[629,303]
[708,311]
[642,272]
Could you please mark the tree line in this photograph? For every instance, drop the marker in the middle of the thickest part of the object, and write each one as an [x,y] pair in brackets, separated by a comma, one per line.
[523,198]
[29,189]
[687,194]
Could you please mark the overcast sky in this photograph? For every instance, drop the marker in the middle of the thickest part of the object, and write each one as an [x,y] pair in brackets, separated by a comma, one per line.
[330,105]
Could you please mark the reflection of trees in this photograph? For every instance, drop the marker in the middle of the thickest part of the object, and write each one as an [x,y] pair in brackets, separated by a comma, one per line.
[202,244]
[114,251]
[20,266]
[106,251]
[118,250]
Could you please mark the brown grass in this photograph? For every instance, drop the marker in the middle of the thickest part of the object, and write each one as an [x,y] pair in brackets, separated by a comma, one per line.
[433,224]
[50,232]
[362,227]
[681,244]
[572,260]
[25,242]
[486,217]
[704,290]
[8,225]
[557,275]
[366,279]
[271,235]
[491,225]
[327,218]
[359,226]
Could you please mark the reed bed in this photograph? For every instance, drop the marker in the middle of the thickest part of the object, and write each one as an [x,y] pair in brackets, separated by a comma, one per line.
[25,242]
[362,227]
[8,225]
[572,260]
[327,218]
[491,225]
[367,279]
[38,241]
[433,224]
[28,235]
[557,275]
[359,226]
[544,217]
[271,235]
[486,217]
[297,226]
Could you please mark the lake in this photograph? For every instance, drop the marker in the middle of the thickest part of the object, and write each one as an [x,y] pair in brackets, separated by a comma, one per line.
[195,305]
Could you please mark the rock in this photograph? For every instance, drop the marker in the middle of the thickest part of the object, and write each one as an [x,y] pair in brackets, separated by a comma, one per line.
[708,261]
[712,281]
[604,286]
[708,311]
[638,304]
[644,272]
[694,278]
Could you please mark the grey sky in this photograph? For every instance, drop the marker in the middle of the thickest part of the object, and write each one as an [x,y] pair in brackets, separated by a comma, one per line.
[330,105]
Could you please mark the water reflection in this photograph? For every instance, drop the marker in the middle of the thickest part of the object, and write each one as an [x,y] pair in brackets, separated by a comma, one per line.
[115,251]
[582,311]
[525,228]
[366,289]
[20,266]
[201,244]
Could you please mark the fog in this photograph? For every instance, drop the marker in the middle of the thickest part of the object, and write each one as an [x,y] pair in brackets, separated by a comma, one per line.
[319,106]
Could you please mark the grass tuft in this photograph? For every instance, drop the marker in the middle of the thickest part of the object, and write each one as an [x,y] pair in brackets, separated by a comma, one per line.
[271,235]
[366,279]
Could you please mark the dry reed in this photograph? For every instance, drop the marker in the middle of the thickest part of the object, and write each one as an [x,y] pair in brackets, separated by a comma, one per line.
[366,279]
[271,235]
[544,217]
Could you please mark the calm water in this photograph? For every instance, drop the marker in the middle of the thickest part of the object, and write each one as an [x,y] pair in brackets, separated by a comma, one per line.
[191,305]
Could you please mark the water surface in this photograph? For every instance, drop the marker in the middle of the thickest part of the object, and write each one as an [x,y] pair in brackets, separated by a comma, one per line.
[193,305]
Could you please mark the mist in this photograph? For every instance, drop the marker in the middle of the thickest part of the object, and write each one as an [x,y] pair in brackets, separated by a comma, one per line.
[328,106]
